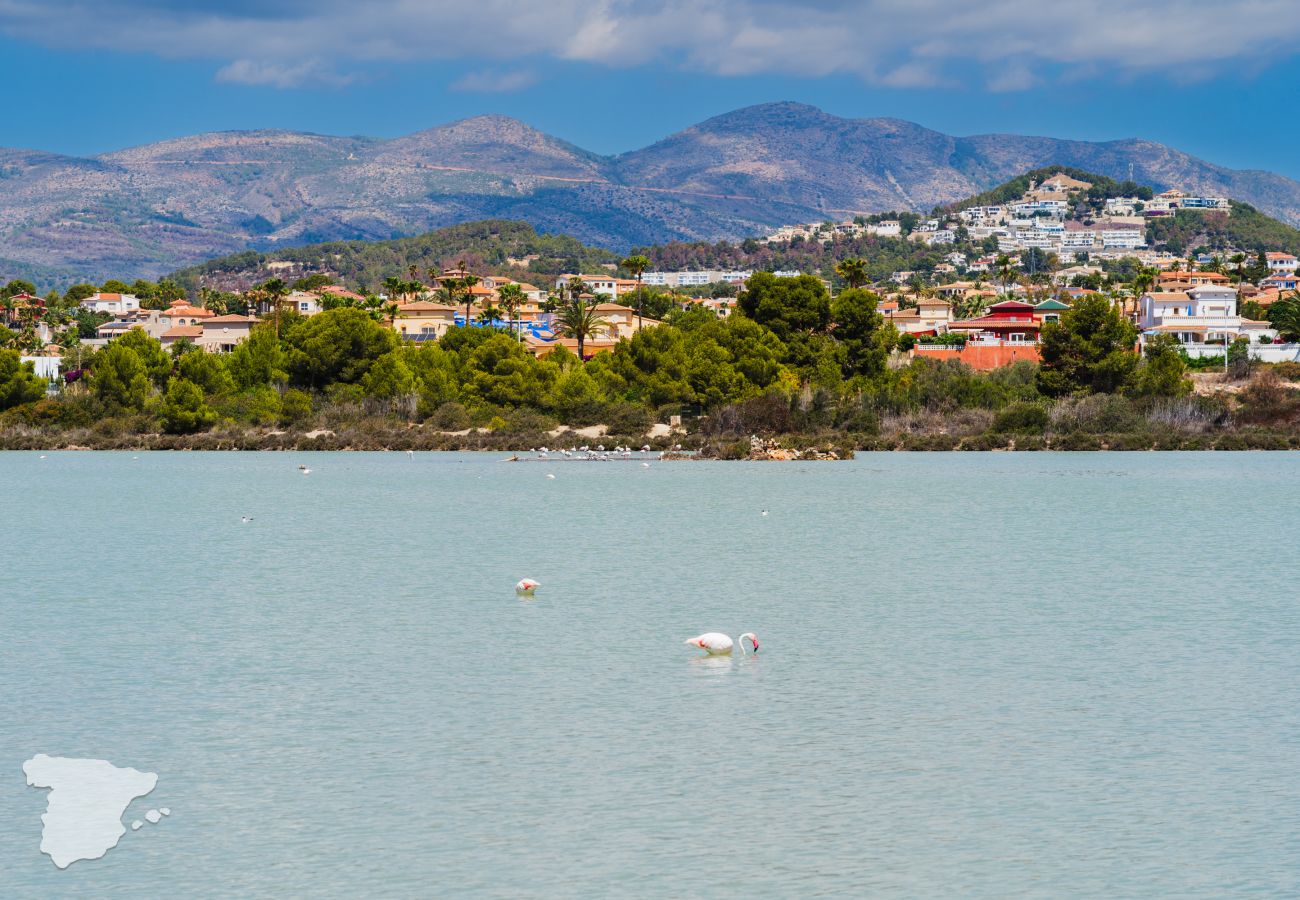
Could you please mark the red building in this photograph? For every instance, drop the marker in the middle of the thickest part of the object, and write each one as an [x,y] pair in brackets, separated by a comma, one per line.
[1013,321]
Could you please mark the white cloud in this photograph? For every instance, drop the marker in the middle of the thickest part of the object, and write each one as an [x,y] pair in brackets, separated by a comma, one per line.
[1015,43]
[490,81]
[308,72]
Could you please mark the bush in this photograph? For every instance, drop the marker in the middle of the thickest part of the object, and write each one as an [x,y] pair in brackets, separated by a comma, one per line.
[1095,414]
[449,417]
[1025,418]
[295,407]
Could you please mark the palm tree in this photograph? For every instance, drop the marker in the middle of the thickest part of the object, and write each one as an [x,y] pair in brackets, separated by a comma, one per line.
[467,283]
[971,307]
[488,314]
[853,270]
[1284,315]
[579,320]
[637,265]
[1239,267]
[511,297]
[393,287]
[275,291]
[1006,271]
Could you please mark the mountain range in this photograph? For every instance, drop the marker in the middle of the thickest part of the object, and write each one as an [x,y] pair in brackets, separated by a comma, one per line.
[147,210]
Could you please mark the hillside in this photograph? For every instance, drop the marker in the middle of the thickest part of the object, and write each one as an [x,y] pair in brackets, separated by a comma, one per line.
[502,246]
[151,209]
[498,246]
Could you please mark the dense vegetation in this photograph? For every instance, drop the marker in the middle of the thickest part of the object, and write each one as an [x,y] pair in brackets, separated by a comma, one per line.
[1102,188]
[489,244]
[792,362]
[1245,229]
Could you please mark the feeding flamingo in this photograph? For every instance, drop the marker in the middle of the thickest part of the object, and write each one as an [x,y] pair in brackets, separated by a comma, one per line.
[715,643]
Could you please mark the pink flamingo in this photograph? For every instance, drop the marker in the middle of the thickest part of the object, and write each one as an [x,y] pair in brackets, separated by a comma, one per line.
[715,643]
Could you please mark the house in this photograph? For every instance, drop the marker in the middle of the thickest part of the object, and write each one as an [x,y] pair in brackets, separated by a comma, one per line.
[221,334]
[955,289]
[1013,321]
[192,333]
[147,320]
[1174,276]
[181,313]
[303,302]
[1281,281]
[1281,262]
[1062,182]
[601,284]
[424,320]
[931,316]
[1202,314]
[1050,310]
[111,303]
[622,319]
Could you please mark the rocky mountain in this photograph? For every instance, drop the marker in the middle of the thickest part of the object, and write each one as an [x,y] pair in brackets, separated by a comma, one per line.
[155,208]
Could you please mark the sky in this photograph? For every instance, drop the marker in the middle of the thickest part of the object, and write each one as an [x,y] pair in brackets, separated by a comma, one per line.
[1215,79]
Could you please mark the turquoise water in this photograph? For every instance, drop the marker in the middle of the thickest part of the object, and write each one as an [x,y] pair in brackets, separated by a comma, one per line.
[981,675]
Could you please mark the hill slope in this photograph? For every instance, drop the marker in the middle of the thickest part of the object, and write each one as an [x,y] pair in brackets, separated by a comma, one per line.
[147,210]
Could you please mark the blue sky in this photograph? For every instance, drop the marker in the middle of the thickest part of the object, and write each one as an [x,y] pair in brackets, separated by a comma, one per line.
[1214,79]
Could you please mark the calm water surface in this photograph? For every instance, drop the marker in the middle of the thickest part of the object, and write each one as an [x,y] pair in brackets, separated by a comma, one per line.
[981,675]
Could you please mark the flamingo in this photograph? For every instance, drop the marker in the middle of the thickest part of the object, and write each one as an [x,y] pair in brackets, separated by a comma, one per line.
[715,643]
[550,476]
[527,587]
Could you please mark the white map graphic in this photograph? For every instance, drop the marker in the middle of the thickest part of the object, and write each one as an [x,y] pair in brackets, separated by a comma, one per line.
[83,814]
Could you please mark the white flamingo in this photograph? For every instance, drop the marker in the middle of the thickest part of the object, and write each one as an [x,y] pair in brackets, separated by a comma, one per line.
[715,643]
[527,587]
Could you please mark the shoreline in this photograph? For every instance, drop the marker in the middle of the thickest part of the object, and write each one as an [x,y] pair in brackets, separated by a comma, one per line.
[697,447]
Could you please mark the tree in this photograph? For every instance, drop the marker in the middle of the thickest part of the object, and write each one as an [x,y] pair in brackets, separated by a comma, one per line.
[389,378]
[258,361]
[637,264]
[19,382]
[853,270]
[207,370]
[1089,350]
[1163,372]
[16,287]
[467,283]
[1006,270]
[339,345]
[184,410]
[1284,315]
[274,290]
[119,378]
[786,305]
[150,351]
[862,331]
[580,321]
[511,296]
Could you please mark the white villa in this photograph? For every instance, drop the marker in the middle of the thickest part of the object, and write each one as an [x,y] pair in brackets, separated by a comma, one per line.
[1197,316]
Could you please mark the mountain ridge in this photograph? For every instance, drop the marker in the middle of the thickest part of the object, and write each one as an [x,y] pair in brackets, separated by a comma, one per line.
[155,207]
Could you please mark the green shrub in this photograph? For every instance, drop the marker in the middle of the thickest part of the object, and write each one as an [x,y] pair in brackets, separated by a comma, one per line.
[1021,418]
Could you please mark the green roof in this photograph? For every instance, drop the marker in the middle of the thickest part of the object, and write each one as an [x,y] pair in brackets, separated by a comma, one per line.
[1052,304]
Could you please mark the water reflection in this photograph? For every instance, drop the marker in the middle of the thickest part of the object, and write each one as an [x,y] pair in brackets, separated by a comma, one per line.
[711,665]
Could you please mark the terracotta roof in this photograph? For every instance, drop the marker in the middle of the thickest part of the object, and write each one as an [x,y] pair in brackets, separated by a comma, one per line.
[231,320]
[194,312]
[425,306]
[184,331]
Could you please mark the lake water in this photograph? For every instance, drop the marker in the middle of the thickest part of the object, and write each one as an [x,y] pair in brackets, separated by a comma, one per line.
[981,675]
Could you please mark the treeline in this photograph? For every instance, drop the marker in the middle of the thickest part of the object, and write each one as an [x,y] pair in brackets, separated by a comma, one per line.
[1246,228]
[484,245]
[1102,188]
[789,346]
